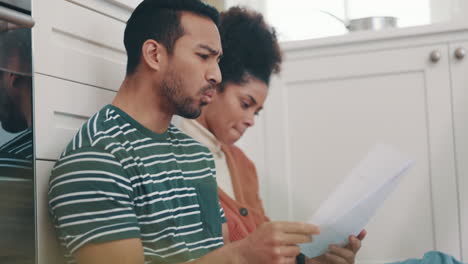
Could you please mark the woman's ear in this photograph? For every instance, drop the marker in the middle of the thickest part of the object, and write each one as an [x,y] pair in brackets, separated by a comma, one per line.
[153,54]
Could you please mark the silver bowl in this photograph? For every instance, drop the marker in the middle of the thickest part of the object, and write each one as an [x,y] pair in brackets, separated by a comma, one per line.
[372,23]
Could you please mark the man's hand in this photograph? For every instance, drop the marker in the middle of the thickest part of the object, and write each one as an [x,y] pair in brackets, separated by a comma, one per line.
[275,242]
[341,255]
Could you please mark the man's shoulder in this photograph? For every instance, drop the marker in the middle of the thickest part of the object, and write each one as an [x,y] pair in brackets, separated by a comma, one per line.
[86,159]
[99,131]
[181,139]
[90,144]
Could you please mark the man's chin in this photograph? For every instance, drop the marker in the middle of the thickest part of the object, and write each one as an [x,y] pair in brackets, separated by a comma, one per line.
[194,112]
[190,114]
[14,124]
[13,128]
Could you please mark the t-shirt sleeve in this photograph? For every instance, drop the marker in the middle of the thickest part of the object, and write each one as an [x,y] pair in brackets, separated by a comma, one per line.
[222,215]
[90,199]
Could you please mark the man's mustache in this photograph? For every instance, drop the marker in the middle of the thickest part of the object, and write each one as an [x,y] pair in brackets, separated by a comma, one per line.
[207,88]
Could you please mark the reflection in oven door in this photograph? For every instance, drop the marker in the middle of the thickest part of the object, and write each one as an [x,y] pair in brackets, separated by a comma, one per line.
[17,217]
[17,221]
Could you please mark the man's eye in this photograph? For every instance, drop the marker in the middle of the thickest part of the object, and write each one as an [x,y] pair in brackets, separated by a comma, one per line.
[204,56]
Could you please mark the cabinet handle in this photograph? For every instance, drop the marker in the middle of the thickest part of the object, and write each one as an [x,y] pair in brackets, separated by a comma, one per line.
[460,53]
[435,56]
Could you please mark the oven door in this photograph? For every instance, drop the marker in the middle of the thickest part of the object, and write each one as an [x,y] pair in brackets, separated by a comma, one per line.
[18,5]
[17,216]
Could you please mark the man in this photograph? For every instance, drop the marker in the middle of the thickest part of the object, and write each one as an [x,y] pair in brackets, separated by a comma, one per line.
[16,102]
[130,187]
[16,186]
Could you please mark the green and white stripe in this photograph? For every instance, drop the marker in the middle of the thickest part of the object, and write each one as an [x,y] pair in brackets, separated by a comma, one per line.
[16,156]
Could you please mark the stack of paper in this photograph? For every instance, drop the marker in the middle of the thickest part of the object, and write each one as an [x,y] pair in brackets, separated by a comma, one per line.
[349,208]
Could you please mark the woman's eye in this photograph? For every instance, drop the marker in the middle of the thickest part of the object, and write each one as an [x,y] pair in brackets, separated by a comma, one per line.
[244,105]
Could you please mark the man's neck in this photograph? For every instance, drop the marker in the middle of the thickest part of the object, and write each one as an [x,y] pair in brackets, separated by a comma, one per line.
[25,104]
[139,100]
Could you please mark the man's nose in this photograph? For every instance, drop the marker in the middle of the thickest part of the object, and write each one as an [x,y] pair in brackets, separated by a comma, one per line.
[214,75]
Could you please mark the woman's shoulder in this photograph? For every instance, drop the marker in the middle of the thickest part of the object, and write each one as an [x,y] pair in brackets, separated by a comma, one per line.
[238,155]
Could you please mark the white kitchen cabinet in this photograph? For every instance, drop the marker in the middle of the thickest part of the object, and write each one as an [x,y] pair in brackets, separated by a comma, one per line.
[330,106]
[81,40]
[49,251]
[459,77]
[61,108]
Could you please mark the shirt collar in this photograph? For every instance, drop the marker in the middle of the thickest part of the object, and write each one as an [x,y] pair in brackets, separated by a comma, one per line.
[201,134]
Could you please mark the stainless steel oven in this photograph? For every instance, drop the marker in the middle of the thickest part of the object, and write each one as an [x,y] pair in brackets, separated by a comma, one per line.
[17,212]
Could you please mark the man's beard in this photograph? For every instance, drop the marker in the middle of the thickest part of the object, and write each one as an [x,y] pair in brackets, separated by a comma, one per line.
[12,118]
[183,105]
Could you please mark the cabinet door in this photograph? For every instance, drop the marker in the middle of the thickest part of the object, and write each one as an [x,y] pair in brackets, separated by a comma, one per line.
[81,40]
[61,108]
[459,71]
[48,249]
[328,112]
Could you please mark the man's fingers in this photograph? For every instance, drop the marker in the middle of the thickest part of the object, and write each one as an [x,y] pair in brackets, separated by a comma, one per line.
[290,251]
[288,260]
[287,251]
[296,227]
[289,239]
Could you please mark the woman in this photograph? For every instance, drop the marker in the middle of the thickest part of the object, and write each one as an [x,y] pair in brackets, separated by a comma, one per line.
[250,55]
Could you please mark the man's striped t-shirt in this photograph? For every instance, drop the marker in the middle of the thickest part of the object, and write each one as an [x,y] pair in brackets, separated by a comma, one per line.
[16,156]
[117,179]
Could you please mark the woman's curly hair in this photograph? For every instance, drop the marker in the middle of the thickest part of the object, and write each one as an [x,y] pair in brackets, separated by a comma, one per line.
[250,47]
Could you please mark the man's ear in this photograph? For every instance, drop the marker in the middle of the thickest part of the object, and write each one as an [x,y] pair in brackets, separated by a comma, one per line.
[153,54]
[12,81]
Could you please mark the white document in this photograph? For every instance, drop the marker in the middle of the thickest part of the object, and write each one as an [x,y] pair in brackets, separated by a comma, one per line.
[352,204]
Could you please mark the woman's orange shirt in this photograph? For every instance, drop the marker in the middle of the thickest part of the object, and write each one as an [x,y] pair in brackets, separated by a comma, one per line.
[244,213]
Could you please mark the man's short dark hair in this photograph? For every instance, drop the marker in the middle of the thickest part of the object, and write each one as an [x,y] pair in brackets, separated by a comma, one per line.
[250,47]
[159,20]
[16,44]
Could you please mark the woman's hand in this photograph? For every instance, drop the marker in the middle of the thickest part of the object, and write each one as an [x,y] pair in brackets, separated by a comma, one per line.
[341,255]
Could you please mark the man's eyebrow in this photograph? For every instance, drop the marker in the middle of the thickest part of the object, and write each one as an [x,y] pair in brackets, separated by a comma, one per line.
[210,49]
